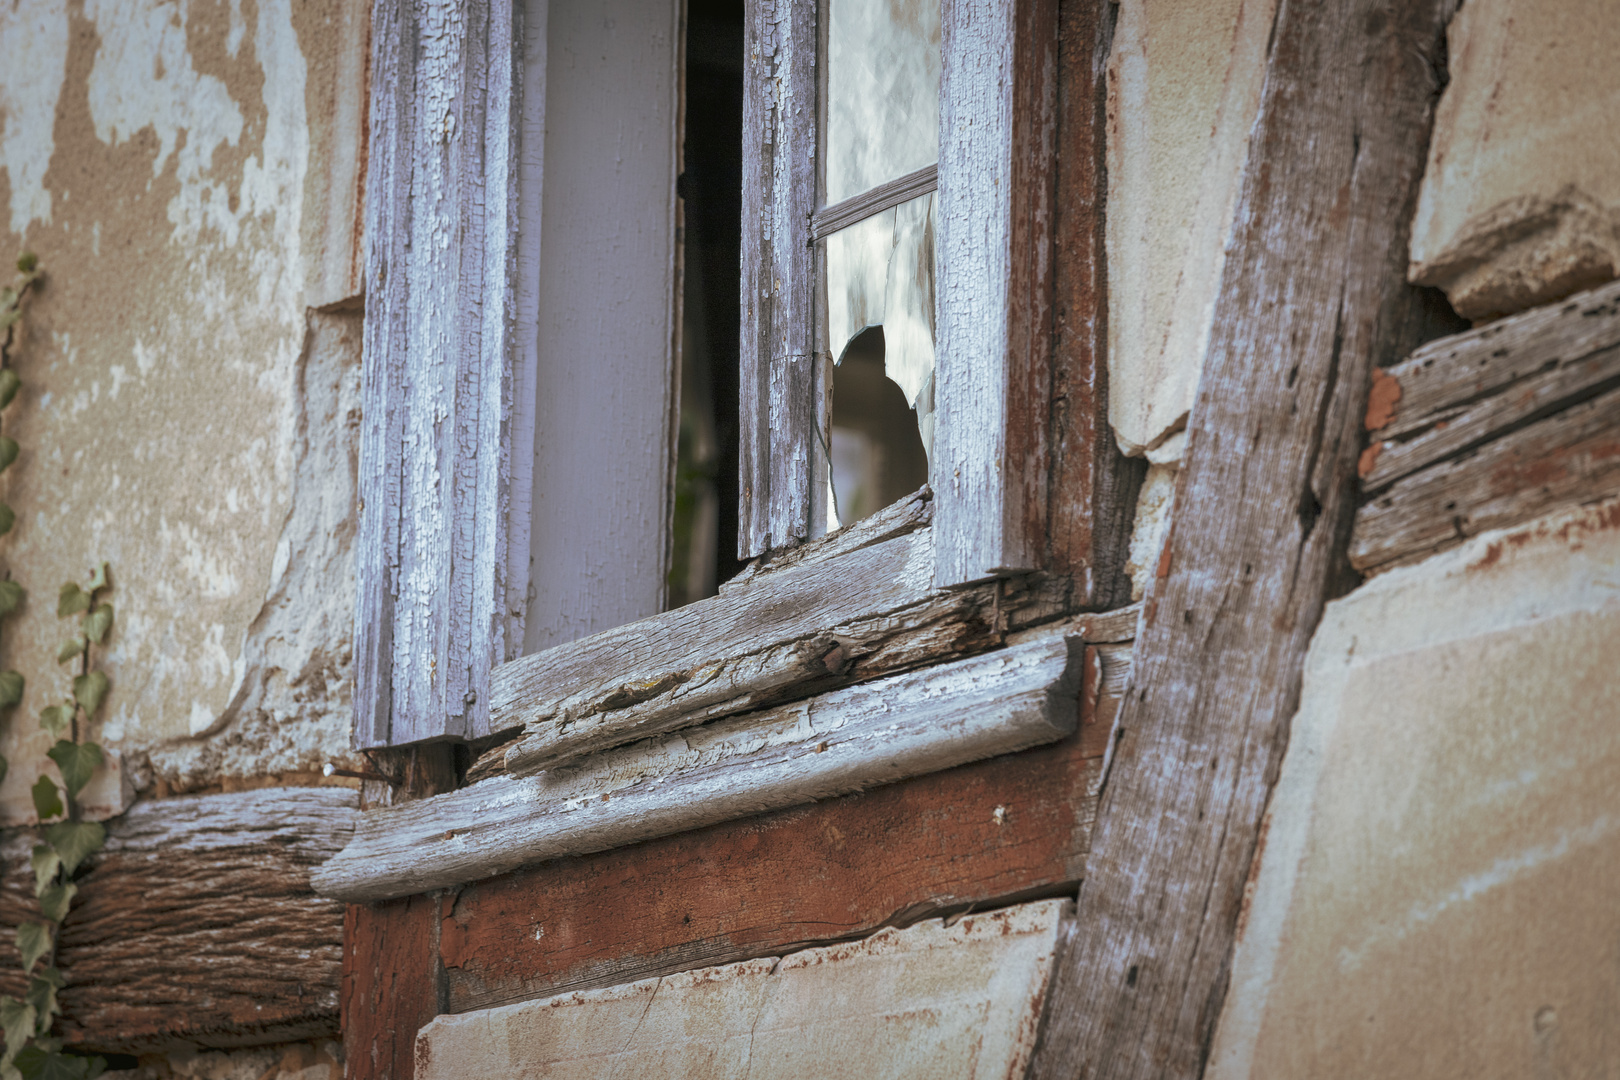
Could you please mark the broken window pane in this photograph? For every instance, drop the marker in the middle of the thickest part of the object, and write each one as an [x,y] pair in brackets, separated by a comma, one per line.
[882,92]
[877,454]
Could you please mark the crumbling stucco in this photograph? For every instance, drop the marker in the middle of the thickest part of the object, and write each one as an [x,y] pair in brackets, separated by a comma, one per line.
[1520,203]
[296,1061]
[1154,504]
[1436,896]
[190,178]
[1183,89]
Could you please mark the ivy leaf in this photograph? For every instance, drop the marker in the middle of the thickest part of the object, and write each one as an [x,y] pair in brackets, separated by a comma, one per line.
[17,1019]
[47,799]
[98,622]
[9,385]
[8,452]
[42,988]
[55,719]
[5,767]
[8,518]
[78,762]
[46,863]
[7,318]
[70,649]
[36,1063]
[88,690]
[11,689]
[33,941]
[98,577]
[11,593]
[75,841]
[54,901]
[70,600]
[27,262]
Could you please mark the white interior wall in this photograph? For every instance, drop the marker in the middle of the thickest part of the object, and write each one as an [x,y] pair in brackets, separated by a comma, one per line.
[604,289]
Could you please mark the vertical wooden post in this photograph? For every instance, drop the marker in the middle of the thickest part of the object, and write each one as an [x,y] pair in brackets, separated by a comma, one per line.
[1313,296]
[393,984]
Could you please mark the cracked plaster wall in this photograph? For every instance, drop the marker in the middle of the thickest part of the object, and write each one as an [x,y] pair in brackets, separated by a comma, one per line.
[190,174]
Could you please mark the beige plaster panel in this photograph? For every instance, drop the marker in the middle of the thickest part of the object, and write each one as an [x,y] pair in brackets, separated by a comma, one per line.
[188,173]
[930,1001]
[1439,894]
[1520,203]
[1183,88]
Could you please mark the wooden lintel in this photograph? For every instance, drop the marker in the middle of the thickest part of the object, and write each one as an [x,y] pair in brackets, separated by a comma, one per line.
[1490,428]
[196,926]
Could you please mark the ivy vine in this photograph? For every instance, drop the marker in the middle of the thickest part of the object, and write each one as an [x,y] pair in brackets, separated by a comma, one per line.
[67,841]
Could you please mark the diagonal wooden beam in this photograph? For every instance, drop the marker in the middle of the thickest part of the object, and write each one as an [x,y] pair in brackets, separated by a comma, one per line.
[1313,296]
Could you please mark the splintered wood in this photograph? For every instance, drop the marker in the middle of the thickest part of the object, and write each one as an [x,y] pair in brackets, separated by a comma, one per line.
[1491,428]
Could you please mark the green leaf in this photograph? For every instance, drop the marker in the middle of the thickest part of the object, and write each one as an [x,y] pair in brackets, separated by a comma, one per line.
[70,649]
[47,799]
[42,988]
[75,841]
[33,941]
[54,901]
[78,762]
[27,262]
[46,863]
[70,600]
[11,689]
[9,385]
[98,622]
[8,518]
[55,718]
[5,767]
[98,577]
[10,316]
[8,452]
[38,1064]
[88,690]
[17,1019]
[11,597]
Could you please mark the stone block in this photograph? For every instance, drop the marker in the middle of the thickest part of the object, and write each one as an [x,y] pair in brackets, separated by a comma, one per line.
[932,1001]
[1183,88]
[1520,203]
[1441,857]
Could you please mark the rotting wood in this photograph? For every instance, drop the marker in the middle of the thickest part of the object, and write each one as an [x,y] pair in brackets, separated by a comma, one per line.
[393,984]
[1092,488]
[1312,298]
[780,425]
[196,925]
[434,609]
[975,836]
[846,741]
[1490,428]
[990,463]
[888,194]
[809,627]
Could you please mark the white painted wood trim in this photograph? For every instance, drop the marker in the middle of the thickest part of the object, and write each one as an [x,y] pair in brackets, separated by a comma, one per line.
[431,613]
[993,274]
[841,742]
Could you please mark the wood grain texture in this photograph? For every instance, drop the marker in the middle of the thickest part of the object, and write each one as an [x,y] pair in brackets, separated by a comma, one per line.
[780,424]
[807,626]
[846,741]
[901,189]
[393,984]
[1313,296]
[196,925]
[1092,488]
[989,468]
[1490,428]
[979,835]
[432,611]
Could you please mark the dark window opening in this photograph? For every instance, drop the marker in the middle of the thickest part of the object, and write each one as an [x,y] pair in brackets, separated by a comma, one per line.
[877,451]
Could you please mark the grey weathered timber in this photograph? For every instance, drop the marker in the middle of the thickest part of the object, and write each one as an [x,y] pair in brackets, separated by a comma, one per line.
[196,924]
[1488,429]
[993,297]
[860,207]
[781,426]
[835,744]
[808,627]
[433,611]
[1312,297]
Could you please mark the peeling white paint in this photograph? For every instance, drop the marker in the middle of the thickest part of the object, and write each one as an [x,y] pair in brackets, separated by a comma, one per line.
[33,60]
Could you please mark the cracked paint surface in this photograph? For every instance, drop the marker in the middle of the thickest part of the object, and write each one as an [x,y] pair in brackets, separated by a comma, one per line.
[185,416]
